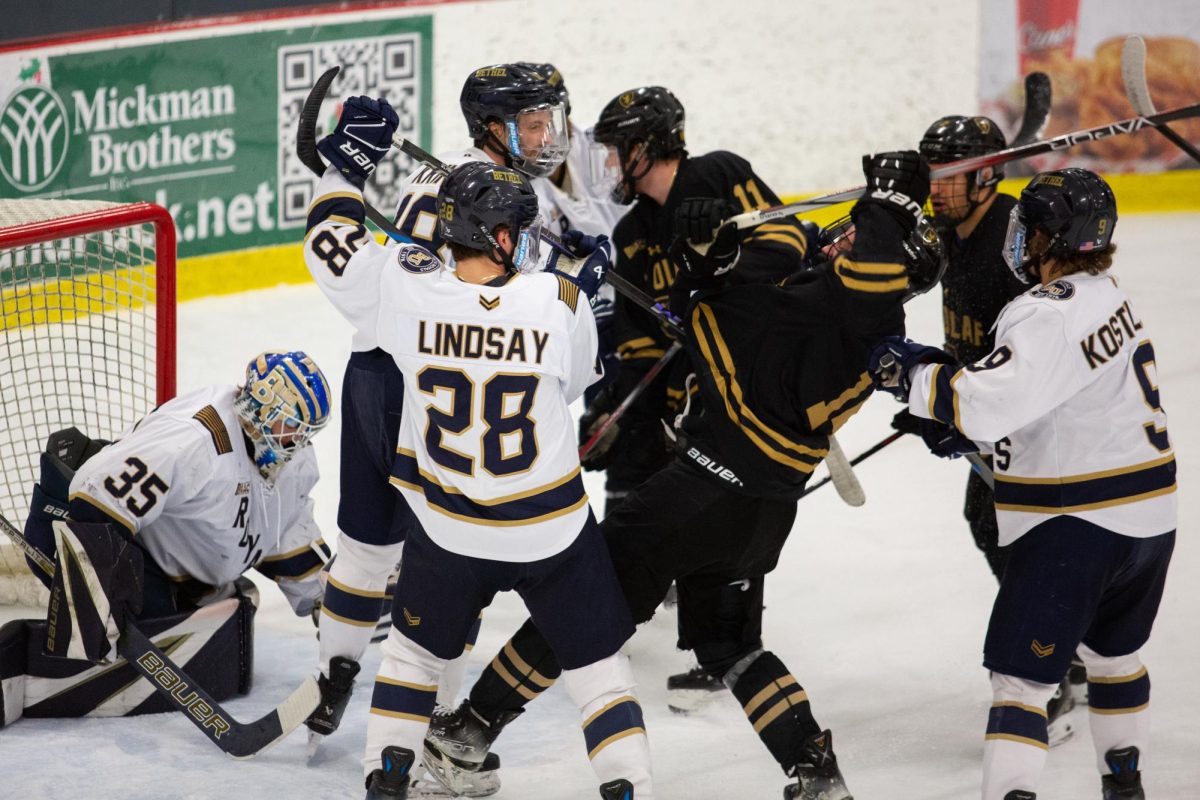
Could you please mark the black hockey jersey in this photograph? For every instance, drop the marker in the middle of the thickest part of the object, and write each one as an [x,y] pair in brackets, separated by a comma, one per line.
[783,367]
[977,284]
[641,240]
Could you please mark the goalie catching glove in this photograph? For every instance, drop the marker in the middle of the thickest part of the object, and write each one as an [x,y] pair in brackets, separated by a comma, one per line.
[361,139]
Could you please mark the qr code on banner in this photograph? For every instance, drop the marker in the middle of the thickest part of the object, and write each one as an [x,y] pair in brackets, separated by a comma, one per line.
[379,66]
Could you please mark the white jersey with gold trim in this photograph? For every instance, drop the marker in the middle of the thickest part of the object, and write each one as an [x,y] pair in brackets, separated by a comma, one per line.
[416,213]
[182,482]
[487,455]
[1069,400]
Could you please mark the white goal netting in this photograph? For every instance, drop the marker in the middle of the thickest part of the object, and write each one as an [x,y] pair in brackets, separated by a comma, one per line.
[87,308]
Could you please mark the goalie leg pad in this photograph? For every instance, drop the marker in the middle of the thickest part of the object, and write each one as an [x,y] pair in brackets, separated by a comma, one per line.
[214,644]
[97,586]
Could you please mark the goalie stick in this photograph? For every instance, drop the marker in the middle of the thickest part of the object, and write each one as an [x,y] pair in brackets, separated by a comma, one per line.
[1133,73]
[238,739]
[1015,153]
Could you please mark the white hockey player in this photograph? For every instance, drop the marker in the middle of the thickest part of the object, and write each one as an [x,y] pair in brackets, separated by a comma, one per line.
[491,356]
[207,486]
[515,118]
[1069,403]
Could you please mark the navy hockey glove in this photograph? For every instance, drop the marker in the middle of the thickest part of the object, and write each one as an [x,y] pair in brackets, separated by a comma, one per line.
[944,441]
[589,266]
[698,218]
[899,182]
[361,139]
[892,360]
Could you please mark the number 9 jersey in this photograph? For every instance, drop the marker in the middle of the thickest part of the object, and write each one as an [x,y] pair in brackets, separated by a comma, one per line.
[182,482]
[1070,399]
[487,457]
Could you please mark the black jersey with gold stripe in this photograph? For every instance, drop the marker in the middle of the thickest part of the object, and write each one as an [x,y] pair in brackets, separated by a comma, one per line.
[642,239]
[783,367]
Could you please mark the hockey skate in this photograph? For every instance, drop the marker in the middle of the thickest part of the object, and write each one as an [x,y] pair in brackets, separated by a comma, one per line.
[390,781]
[335,694]
[1077,677]
[1125,782]
[619,789]
[818,776]
[457,748]
[1058,725]
[692,690]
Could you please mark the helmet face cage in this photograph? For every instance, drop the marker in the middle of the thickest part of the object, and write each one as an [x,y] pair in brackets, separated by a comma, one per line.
[282,405]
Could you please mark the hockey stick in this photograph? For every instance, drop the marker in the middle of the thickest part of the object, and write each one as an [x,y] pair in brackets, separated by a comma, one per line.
[1063,142]
[1133,72]
[633,395]
[1037,108]
[238,739]
[863,456]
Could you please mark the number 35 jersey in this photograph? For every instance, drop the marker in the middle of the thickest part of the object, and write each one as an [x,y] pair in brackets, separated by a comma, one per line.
[1070,399]
[487,455]
[182,482]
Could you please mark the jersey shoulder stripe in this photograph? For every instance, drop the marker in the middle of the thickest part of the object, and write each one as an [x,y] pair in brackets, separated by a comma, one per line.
[539,504]
[212,422]
[568,293]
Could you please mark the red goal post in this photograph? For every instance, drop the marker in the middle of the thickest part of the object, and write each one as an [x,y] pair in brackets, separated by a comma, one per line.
[87,337]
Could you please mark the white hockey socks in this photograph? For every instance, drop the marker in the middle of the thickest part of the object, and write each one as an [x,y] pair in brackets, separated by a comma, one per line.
[354,597]
[1014,752]
[1118,703]
[613,730]
[405,690]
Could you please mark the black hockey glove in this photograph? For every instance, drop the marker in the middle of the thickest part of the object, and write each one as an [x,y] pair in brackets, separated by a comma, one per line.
[703,264]
[361,139]
[899,182]
[593,417]
[945,441]
[907,422]
[892,361]
[698,218]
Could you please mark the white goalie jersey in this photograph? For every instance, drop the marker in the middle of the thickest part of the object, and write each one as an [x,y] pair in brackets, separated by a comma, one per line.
[182,482]
[1069,402]
[487,455]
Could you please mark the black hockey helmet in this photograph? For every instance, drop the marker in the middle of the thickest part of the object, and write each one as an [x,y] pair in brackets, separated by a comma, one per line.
[507,94]
[477,198]
[1074,206]
[925,256]
[957,137]
[650,116]
[554,78]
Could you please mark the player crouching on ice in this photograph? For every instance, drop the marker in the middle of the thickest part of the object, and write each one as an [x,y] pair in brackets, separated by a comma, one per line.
[1084,484]
[160,526]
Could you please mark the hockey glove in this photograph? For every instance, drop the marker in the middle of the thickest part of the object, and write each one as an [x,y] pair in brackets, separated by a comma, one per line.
[361,139]
[587,268]
[899,182]
[892,361]
[591,420]
[704,263]
[907,422]
[698,218]
[945,441]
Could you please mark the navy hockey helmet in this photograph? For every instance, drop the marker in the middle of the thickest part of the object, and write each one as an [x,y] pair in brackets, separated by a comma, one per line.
[956,137]
[1074,207]
[554,78]
[522,101]
[650,117]
[479,197]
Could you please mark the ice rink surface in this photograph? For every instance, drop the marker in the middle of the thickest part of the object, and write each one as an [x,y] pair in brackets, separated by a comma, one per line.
[879,612]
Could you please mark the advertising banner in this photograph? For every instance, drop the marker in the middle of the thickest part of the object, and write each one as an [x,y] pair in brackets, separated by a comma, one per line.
[207,126]
[1078,44]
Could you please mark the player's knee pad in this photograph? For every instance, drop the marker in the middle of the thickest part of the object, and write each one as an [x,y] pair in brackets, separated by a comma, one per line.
[357,579]
[1010,689]
[402,655]
[600,682]
[1116,684]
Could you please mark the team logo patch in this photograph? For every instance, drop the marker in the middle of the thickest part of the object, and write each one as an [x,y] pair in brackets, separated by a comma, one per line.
[626,100]
[417,259]
[1059,290]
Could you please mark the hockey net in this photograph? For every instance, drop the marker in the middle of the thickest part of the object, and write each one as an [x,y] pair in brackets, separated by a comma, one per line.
[87,338]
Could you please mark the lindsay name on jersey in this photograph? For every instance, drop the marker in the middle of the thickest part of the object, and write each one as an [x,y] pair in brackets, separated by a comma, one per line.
[455,340]
[1106,341]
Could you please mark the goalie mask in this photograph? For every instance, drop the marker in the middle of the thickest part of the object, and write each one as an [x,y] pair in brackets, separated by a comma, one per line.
[477,199]
[535,139]
[925,257]
[1074,207]
[284,402]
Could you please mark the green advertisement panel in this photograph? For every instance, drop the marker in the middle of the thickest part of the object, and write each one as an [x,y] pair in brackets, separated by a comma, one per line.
[205,127]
